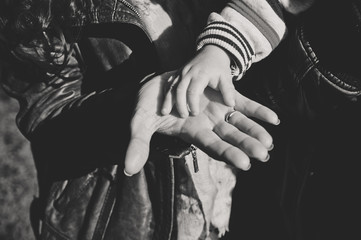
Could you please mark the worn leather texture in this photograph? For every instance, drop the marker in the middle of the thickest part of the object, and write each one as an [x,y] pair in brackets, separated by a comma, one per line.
[82,196]
[303,192]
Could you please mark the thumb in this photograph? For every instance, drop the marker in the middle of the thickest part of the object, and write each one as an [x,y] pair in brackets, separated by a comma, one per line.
[138,148]
[136,155]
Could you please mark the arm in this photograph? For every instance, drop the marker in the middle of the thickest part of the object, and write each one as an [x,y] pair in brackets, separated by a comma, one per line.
[64,122]
[244,32]
[63,119]
[249,30]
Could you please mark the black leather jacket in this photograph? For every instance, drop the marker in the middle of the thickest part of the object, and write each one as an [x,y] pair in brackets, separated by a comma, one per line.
[85,123]
[309,185]
[78,124]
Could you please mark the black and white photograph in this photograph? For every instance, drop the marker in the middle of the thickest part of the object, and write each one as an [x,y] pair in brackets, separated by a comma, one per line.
[180,119]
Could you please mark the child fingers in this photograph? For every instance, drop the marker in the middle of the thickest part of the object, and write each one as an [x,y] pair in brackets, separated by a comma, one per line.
[168,101]
[167,104]
[194,91]
[181,97]
[228,92]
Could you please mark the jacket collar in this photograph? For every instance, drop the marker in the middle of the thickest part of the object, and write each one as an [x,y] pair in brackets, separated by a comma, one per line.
[106,11]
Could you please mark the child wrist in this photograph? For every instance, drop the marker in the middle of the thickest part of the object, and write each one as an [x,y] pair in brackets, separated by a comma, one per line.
[227,37]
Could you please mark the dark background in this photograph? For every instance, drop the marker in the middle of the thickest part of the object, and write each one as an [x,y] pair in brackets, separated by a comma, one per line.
[18,184]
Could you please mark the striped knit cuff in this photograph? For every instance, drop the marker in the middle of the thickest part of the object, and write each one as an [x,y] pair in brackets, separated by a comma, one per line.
[227,37]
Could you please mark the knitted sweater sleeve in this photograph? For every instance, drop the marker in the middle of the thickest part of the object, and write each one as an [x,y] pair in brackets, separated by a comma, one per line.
[263,16]
[248,30]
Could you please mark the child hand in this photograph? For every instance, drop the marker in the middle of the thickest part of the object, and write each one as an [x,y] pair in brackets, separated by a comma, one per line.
[210,67]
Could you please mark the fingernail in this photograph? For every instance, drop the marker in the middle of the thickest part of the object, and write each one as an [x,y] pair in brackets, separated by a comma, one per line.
[267,158]
[278,122]
[164,111]
[184,115]
[247,168]
[194,113]
[271,147]
[127,174]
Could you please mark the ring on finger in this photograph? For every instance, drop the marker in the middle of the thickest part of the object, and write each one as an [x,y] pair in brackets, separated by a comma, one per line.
[229,115]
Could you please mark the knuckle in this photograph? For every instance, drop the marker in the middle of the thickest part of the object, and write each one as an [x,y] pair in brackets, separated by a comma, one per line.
[193,91]
[181,88]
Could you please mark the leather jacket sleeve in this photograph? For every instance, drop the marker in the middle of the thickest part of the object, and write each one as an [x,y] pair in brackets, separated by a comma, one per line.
[55,106]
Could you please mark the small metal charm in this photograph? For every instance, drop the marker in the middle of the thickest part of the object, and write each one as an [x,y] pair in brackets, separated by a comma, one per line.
[195,161]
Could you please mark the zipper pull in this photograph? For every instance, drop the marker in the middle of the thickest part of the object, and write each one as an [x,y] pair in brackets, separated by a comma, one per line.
[195,160]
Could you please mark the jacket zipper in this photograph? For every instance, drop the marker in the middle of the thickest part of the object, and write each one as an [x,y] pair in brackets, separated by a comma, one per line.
[134,10]
[131,7]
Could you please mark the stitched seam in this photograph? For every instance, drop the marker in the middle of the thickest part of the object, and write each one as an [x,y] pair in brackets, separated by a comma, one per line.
[330,76]
[54,231]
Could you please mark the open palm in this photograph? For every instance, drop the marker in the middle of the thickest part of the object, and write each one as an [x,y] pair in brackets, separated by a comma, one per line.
[233,142]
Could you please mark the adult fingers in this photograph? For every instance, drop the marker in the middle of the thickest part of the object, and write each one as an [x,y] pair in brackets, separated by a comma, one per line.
[138,148]
[253,109]
[241,139]
[209,142]
[251,128]
[136,155]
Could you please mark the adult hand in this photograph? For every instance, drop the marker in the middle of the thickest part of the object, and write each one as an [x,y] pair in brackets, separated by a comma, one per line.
[234,141]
